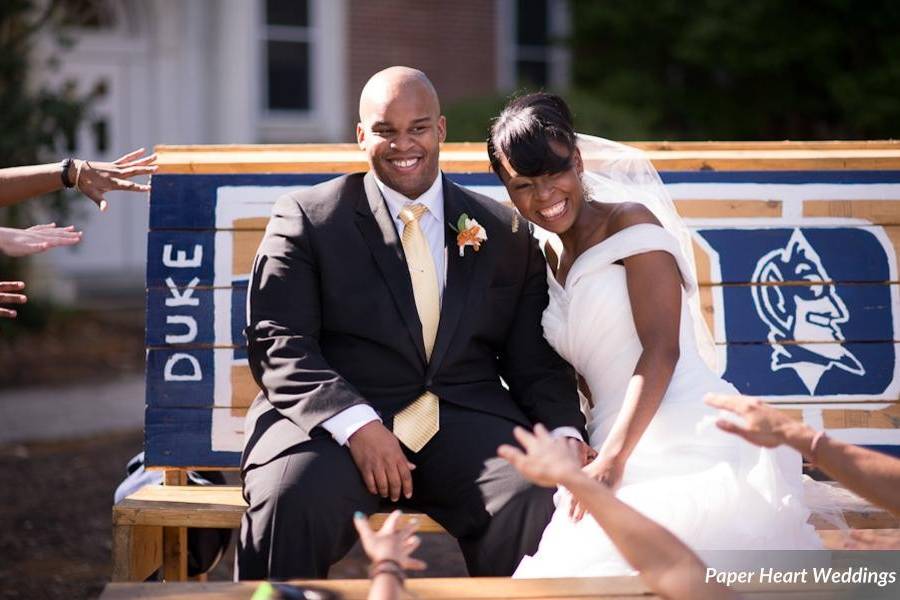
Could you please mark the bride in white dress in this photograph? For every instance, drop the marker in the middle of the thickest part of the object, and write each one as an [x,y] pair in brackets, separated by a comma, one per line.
[623,311]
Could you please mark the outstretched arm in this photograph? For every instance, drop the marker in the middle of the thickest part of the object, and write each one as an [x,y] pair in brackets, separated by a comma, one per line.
[94,179]
[872,475]
[24,242]
[666,565]
[390,551]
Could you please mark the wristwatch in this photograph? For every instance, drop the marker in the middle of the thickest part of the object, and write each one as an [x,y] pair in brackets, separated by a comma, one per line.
[64,174]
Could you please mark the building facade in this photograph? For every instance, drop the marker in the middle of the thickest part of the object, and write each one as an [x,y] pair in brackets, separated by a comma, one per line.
[262,71]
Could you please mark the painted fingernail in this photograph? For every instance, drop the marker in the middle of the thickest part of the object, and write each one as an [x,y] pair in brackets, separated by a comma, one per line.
[358,515]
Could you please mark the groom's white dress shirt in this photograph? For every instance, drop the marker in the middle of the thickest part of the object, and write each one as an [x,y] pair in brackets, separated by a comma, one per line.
[344,424]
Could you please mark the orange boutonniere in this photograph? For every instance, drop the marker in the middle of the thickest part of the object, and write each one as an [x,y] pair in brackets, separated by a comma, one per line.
[468,233]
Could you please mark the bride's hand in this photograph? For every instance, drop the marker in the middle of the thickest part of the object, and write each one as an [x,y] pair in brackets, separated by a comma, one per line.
[607,470]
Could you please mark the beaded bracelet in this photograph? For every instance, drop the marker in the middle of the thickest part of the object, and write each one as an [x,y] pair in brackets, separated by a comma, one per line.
[387,566]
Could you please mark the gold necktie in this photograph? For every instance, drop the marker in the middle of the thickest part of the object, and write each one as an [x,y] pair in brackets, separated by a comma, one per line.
[418,422]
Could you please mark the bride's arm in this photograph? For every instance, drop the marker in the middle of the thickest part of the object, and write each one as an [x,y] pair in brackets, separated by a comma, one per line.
[654,290]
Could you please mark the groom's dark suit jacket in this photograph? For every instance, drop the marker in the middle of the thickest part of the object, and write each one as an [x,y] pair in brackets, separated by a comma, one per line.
[333,322]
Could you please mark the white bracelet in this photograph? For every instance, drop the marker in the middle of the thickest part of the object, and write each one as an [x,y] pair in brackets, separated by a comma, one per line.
[78,174]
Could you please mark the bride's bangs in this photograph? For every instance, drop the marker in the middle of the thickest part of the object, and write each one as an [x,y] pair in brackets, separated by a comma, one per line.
[529,152]
[525,133]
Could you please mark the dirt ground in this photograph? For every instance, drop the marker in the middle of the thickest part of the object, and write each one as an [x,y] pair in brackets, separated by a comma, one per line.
[56,497]
[72,346]
[55,503]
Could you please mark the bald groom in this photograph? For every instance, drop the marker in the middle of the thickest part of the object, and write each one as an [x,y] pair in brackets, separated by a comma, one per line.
[380,350]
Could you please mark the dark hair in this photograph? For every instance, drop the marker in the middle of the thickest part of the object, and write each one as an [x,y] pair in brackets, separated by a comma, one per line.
[523,132]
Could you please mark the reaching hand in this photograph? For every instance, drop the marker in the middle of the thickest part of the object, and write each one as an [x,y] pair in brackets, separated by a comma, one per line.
[97,178]
[546,460]
[11,298]
[23,242]
[608,470]
[390,543]
[764,426]
[381,462]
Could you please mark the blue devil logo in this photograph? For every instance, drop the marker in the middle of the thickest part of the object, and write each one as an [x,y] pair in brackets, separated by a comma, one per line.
[804,320]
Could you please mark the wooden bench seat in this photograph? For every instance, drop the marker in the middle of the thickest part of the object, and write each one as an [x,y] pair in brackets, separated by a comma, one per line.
[140,521]
[476,588]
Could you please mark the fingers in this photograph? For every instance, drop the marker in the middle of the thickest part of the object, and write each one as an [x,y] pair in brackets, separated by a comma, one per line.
[11,286]
[129,172]
[13,298]
[526,439]
[362,525]
[510,453]
[369,480]
[730,427]
[579,513]
[395,482]
[381,483]
[130,156]
[414,564]
[735,404]
[406,482]
[146,161]
[7,313]
[390,524]
[129,186]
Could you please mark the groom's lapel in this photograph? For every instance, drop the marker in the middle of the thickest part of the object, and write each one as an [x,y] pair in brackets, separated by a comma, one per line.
[460,273]
[377,227]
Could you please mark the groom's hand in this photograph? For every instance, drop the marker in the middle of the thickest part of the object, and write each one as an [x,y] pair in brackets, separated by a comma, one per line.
[381,462]
[585,453]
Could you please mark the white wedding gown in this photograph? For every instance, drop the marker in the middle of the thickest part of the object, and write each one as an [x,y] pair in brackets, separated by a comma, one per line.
[711,489]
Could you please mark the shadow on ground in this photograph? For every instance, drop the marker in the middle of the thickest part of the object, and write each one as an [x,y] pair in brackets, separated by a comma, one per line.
[55,525]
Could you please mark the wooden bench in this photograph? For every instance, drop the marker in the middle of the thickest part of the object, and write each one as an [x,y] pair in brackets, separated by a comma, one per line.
[477,588]
[752,209]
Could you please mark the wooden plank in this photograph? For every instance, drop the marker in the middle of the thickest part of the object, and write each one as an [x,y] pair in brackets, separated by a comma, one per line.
[473,158]
[884,539]
[642,144]
[182,437]
[478,588]
[240,201]
[885,418]
[848,254]
[136,552]
[185,440]
[728,209]
[879,212]
[877,358]
[243,389]
[175,554]
[210,506]
[870,313]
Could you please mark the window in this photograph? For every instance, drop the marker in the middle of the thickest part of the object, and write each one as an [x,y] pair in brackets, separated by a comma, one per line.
[286,48]
[532,43]
[532,50]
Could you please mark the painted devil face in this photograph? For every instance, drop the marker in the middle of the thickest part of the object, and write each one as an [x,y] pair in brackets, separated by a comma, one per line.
[804,316]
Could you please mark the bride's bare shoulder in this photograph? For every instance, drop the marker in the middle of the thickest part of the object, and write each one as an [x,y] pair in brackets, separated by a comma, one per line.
[626,214]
